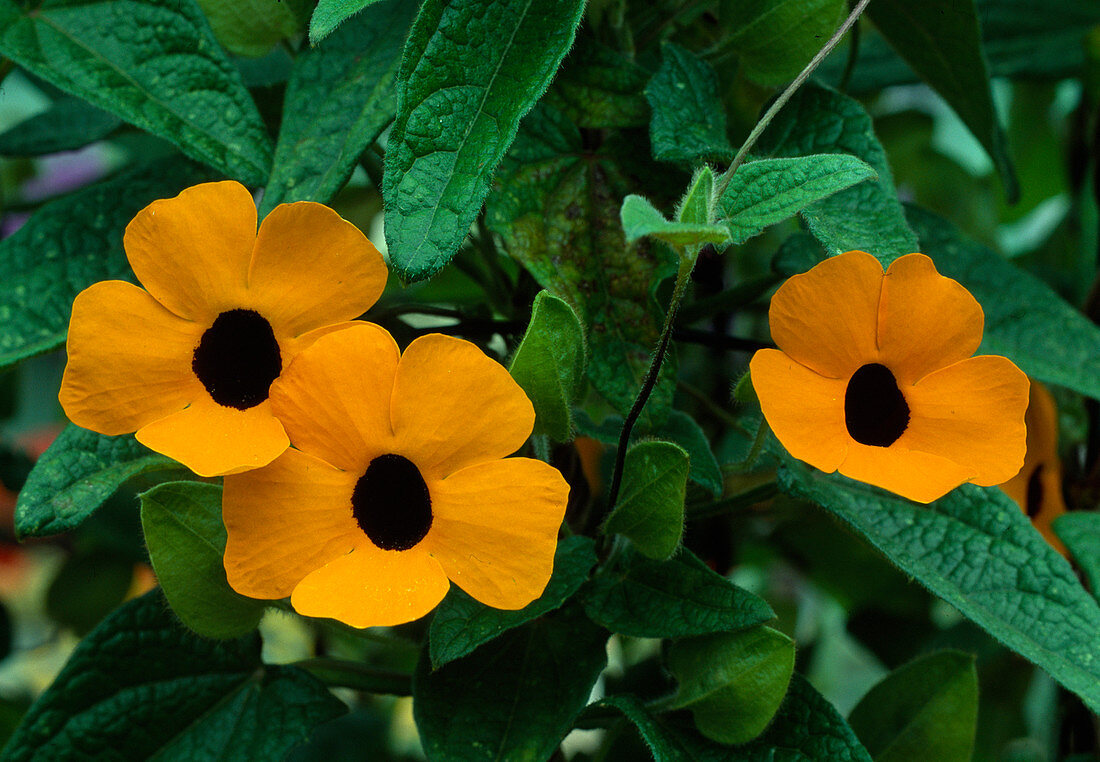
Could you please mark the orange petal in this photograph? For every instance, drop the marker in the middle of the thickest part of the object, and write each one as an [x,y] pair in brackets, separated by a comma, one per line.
[213,440]
[1051,504]
[129,360]
[971,413]
[916,475]
[827,318]
[192,252]
[334,399]
[284,521]
[495,528]
[370,587]
[926,321]
[805,410]
[311,268]
[453,406]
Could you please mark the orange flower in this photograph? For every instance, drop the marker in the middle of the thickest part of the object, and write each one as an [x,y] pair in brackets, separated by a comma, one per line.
[874,378]
[1037,488]
[398,484]
[187,362]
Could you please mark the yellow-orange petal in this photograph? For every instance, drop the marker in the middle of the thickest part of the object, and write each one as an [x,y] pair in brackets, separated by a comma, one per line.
[334,398]
[827,318]
[916,475]
[213,440]
[454,406]
[129,360]
[971,413]
[192,252]
[370,587]
[804,409]
[1046,492]
[284,521]
[926,321]
[495,528]
[311,268]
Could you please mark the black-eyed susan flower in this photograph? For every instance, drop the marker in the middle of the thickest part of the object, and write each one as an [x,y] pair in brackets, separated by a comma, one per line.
[874,378]
[187,361]
[398,485]
[1037,488]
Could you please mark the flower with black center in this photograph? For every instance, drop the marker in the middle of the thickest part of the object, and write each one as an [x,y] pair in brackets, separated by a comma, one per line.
[397,485]
[874,377]
[187,361]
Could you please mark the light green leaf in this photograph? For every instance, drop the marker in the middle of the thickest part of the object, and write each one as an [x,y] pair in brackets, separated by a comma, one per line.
[763,193]
[250,27]
[926,709]
[455,122]
[183,529]
[777,38]
[695,206]
[650,510]
[461,624]
[688,119]
[155,64]
[733,682]
[68,124]
[76,475]
[1080,531]
[549,364]
[340,97]
[330,14]
[639,219]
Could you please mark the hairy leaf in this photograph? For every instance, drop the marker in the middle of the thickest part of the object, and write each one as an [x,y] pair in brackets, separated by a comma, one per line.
[640,219]
[650,509]
[68,124]
[1080,531]
[330,14]
[688,119]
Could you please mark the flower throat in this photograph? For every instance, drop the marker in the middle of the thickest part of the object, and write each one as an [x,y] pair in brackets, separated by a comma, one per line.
[392,504]
[875,410]
[237,359]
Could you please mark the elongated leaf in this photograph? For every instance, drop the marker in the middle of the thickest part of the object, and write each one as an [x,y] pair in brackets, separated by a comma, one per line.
[154,64]
[926,709]
[183,529]
[76,475]
[688,119]
[514,698]
[68,124]
[640,219]
[762,193]
[461,624]
[1080,531]
[455,121]
[978,551]
[340,97]
[140,686]
[66,246]
[650,509]
[676,598]
[329,14]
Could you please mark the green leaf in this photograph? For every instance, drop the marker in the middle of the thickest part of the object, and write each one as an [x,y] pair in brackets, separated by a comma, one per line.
[183,529]
[688,119]
[513,698]
[142,687]
[763,193]
[695,206]
[775,39]
[455,121]
[1025,320]
[340,97]
[154,64]
[867,216]
[733,682]
[977,550]
[68,124]
[250,27]
[598,87]
[926,709]
[549,364]
[88,587]
[650,510]
[940,40]
[330,14]
[1080,531]
[66,246]
[639,219]
[76,475]
[461,624]
[676,598]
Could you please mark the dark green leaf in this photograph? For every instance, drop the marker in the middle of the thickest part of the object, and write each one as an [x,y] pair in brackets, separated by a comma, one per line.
[76,475]
[688,120]
[549,364]
[777,38]
[926,709]
[650,509]
[514,698]
[459,103]
[598,87]
[140,686]
[66,246]
[68,124]
[250,27]
[340,97]
[639,219]
[1080,531]
[669,599]
[88,587]
[183,528]
[461,624]
[155,64]
[329,14]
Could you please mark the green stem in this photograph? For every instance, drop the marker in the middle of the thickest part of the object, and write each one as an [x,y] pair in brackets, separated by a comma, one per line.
[361,677]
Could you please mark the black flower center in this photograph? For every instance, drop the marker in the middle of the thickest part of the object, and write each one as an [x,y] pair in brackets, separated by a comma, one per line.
[874,407]
[1035,493]
[237,359]
[392,504]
